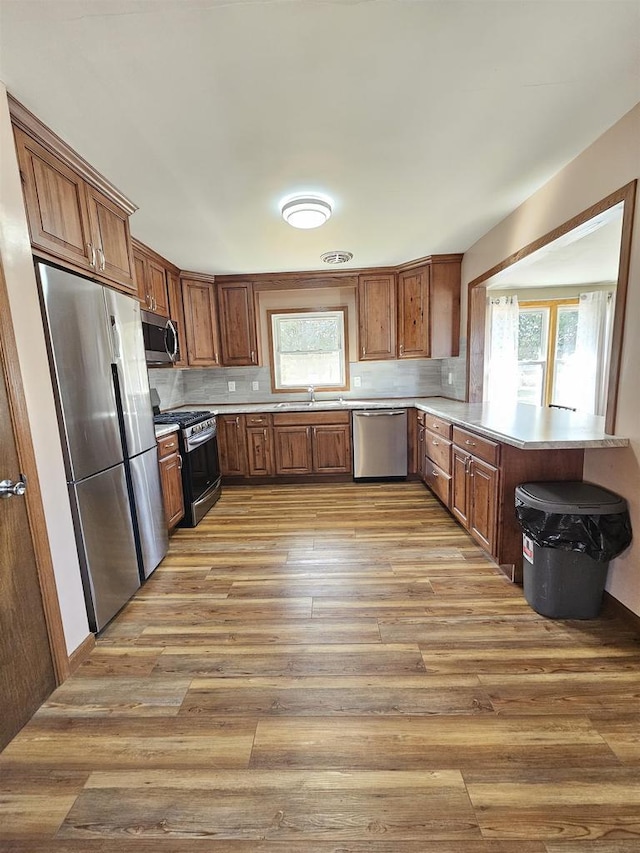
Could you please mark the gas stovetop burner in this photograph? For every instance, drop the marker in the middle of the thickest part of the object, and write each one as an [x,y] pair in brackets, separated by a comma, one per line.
[183,419]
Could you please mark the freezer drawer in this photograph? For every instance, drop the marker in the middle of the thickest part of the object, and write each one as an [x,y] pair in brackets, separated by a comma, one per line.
[106,546]
[380,443]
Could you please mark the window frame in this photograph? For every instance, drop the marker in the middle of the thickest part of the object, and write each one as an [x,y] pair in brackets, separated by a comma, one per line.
[552,330]
[333,309]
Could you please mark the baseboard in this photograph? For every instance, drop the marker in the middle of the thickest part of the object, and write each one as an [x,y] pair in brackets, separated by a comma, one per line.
[80,655]
[617,608]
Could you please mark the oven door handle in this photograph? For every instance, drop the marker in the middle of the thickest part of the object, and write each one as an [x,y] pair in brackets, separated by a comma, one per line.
[200,438]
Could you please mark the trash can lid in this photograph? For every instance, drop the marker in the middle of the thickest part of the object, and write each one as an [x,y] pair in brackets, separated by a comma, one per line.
[574,498]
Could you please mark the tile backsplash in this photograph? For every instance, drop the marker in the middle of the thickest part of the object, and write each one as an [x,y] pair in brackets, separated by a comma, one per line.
[402,378]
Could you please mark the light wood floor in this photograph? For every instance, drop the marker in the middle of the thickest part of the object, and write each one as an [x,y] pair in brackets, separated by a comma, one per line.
[333,669]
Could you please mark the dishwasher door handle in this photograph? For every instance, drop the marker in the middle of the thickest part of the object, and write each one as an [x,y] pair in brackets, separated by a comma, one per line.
[377,414]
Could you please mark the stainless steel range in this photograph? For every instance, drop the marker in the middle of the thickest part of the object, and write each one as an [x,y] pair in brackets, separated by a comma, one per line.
[198,439]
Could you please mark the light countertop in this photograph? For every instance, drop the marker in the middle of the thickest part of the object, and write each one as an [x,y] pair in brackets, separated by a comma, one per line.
[520,425]
[165,429]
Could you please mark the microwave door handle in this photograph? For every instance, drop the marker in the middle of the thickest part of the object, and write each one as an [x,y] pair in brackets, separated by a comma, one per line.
[174,349]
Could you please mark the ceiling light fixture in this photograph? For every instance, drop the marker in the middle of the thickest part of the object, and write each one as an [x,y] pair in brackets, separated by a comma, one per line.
[306,211]
[337,256]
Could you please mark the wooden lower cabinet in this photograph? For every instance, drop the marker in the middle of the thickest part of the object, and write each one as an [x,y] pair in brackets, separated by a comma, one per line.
[475,486]
[293,449]
[170,463]
[331,448]
[232,445]
[484,477]
[285,444]
[260,454]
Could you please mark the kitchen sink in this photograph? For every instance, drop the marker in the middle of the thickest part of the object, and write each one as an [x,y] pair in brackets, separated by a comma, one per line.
[309,404]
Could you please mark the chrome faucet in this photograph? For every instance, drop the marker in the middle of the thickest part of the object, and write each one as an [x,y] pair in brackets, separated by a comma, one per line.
[312,393]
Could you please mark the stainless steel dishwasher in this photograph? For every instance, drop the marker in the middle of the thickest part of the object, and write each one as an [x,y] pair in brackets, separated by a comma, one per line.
[380,443]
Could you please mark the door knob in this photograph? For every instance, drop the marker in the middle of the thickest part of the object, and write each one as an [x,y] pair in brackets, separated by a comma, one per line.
[8,488]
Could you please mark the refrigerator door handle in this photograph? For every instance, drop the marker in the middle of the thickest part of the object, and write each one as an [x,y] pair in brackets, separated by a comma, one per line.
[115,337]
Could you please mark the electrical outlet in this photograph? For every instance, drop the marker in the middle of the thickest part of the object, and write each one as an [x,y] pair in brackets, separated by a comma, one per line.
[231,386]
[357,381]
[450,378]
[255,386]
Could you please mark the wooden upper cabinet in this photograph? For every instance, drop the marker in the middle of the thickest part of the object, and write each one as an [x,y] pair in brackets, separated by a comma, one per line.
[238,336]
[176,313]
[71,220]
[55,203]
[110,235]
[429,309]
[151,279]
[413,313]
[377,317]
[201,323]
[444,307]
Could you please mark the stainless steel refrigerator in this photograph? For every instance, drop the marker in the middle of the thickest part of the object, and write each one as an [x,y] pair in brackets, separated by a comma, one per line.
[98,368]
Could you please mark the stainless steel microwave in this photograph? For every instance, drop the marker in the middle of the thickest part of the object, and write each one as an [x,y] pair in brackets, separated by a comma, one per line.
[161,345]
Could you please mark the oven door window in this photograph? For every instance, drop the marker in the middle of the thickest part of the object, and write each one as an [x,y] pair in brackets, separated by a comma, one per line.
[203,468]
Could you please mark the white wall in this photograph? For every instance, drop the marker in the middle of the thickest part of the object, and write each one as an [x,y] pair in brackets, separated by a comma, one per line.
[609,163]
[15,249]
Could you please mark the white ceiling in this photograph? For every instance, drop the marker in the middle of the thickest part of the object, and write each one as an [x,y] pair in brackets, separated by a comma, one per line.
[590,254]
[426,122]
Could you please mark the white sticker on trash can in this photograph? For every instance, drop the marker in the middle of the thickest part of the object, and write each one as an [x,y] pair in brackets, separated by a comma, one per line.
[527,548]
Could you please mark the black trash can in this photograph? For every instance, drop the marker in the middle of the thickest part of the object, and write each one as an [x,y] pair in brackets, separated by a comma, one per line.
[571,530]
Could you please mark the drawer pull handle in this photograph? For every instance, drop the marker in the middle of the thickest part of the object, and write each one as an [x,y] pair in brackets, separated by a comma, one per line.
[434,473]
[435,443]
[470,443]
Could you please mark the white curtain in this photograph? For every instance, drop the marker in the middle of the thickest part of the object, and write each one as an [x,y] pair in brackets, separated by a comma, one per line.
[502,379]
[593,352]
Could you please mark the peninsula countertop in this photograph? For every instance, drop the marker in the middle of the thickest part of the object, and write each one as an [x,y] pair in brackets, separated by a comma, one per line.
[521,425]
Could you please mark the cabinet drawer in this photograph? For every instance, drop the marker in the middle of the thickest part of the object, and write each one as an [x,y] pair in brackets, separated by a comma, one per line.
[310,418]
[258,420]
[438,425]
[481,447]
[438,449]
[167,445]
[438,481]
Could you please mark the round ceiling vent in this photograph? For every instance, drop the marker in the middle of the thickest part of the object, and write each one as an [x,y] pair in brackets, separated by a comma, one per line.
[336,257]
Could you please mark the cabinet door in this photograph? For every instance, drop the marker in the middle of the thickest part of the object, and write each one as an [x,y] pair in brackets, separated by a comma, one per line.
[157,283]
[444,309]
[293,449]
[141,276]
[110,234]
[176,313]
[460,485]
[413,314]
[172,495]
[331,448]
[259,451]
[232,445]
[55,203]
[201,324]
[238,337]
[377,317]
[483,500]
